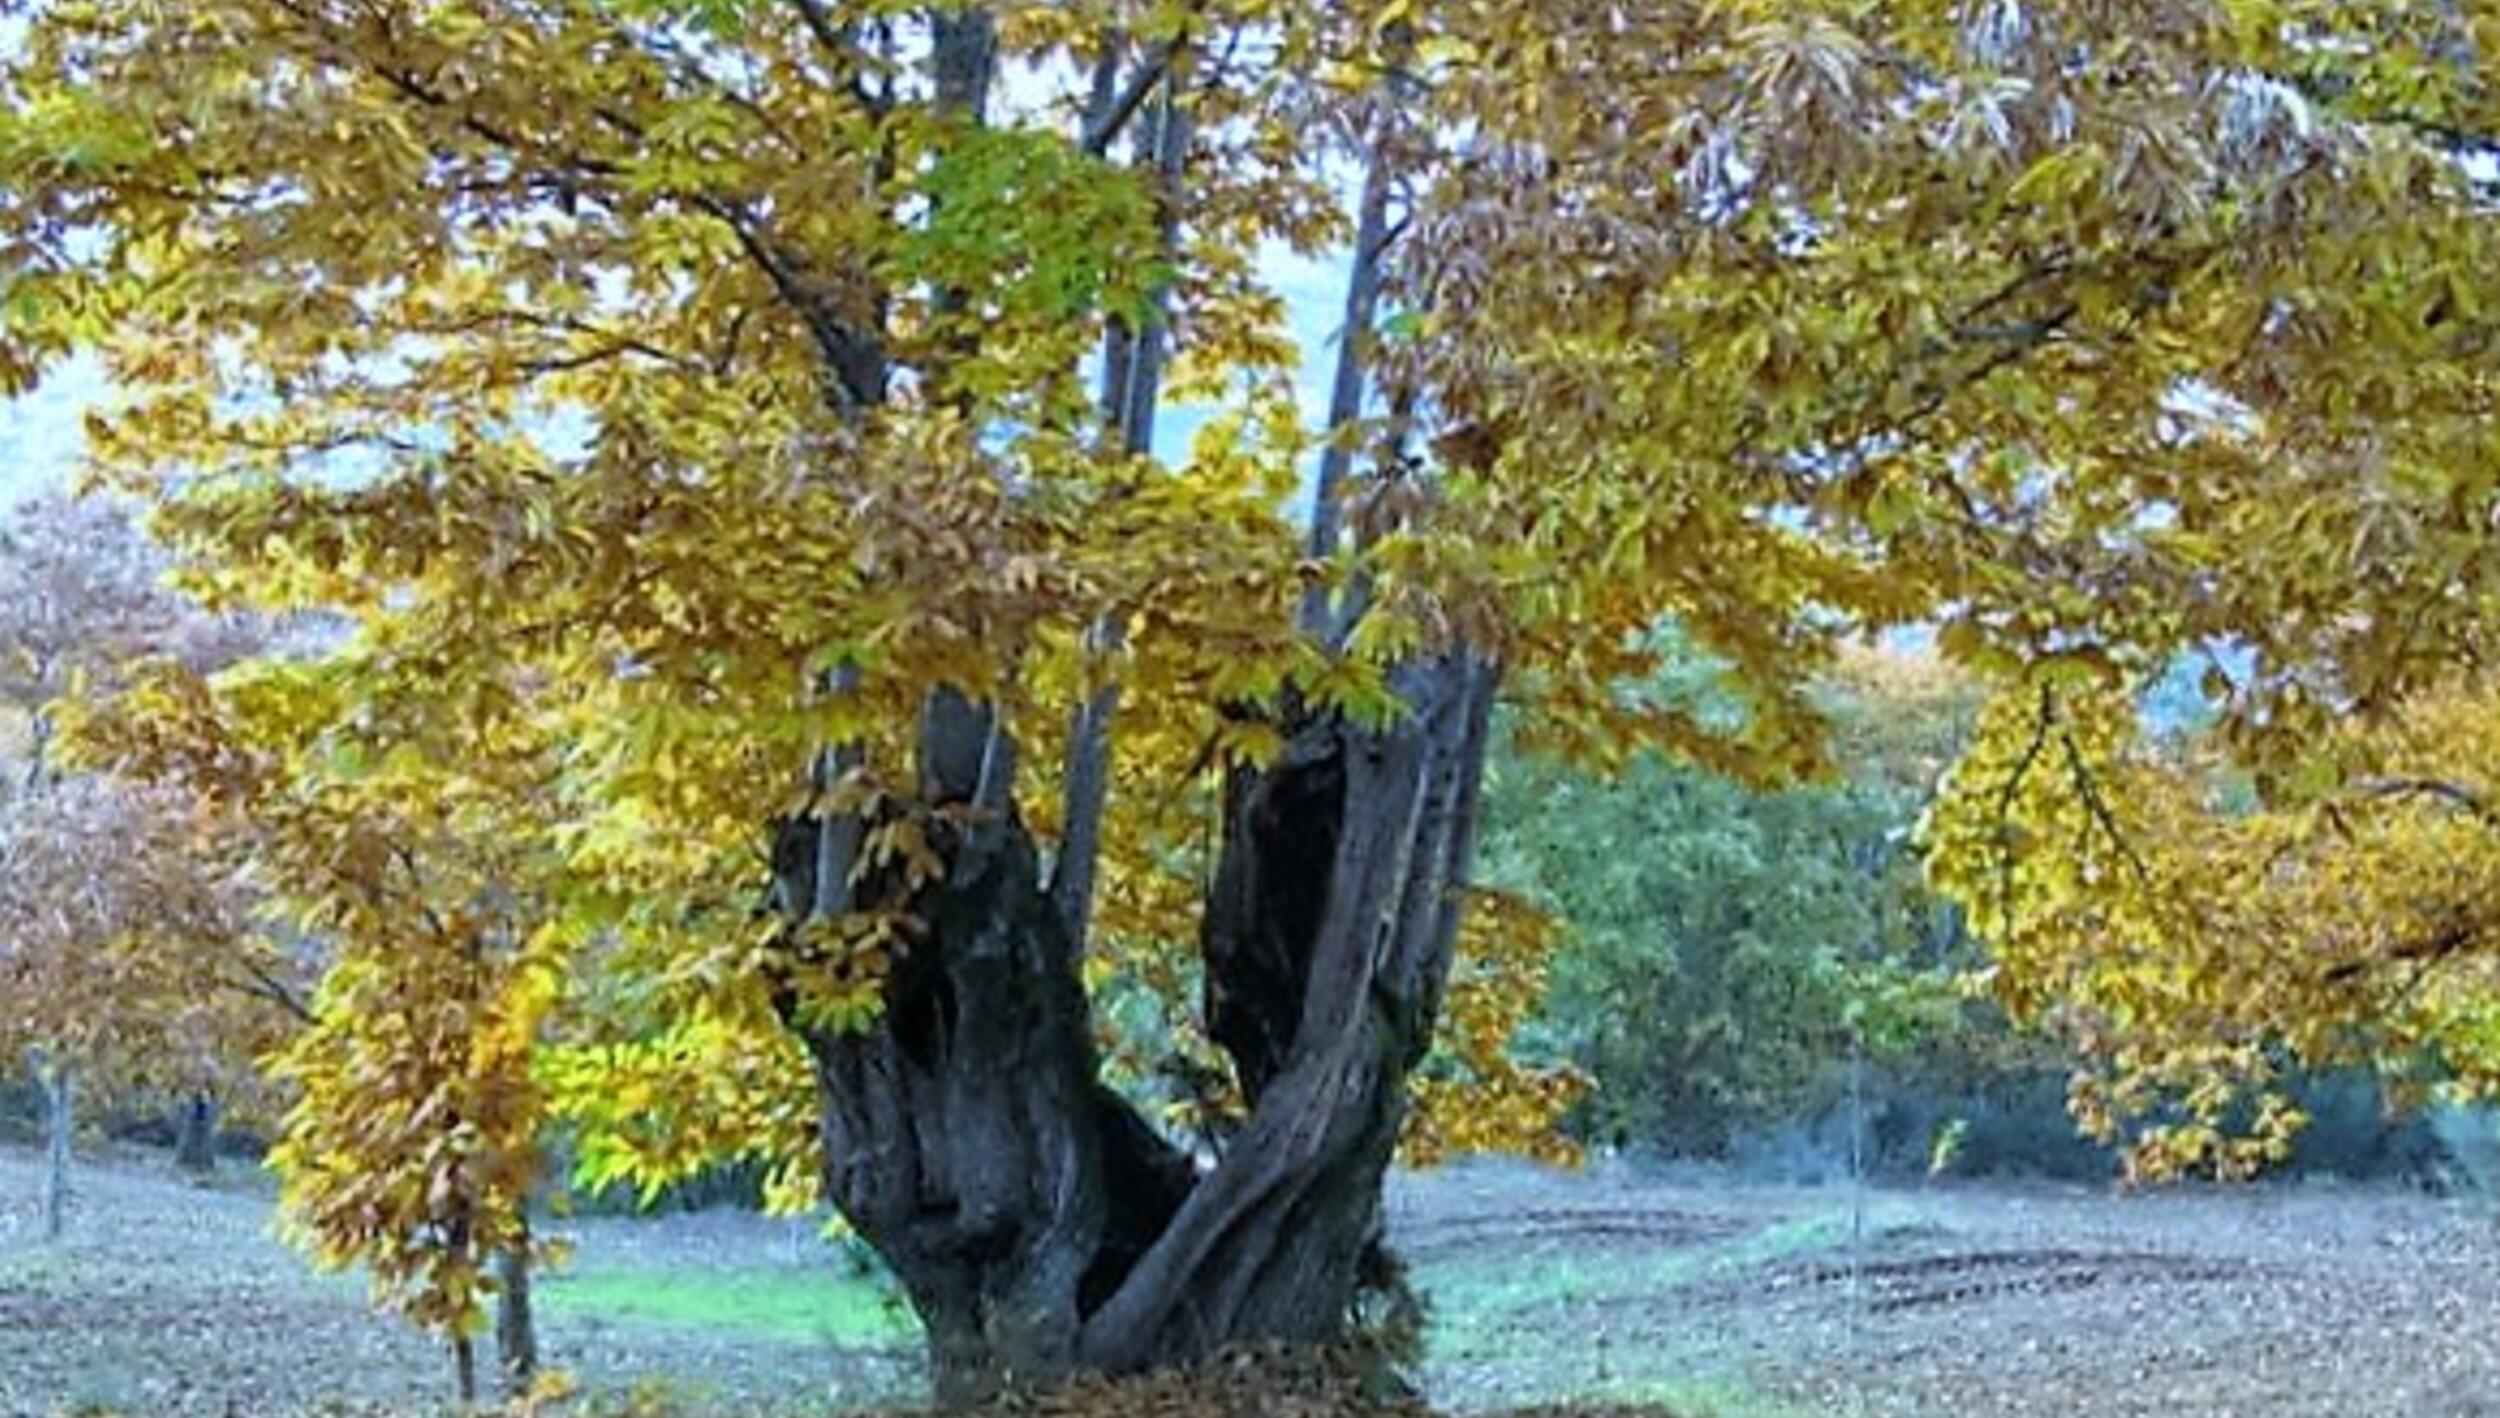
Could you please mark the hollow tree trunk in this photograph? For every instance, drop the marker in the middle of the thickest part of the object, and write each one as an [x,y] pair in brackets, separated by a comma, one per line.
[195,1134]
[1037,1223]
[967,1136]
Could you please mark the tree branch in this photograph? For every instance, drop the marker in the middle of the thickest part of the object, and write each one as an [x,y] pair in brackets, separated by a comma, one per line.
[2098,806]
[2005,801]
[820,22]
[1372,236]
[2455,795]
[841,42]
[264,986]
[1103,127]
[1133,370]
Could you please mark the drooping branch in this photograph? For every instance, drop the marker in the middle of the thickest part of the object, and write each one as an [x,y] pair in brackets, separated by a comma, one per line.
[2044,721]
[2096,803]
[2455,795]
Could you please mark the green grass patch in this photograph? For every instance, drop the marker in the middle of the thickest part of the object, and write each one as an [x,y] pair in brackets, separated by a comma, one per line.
[789,1305]
[1571,1321]
[1489,1290]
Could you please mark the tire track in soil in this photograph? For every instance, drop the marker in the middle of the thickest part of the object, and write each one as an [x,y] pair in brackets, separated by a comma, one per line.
[1924,1282]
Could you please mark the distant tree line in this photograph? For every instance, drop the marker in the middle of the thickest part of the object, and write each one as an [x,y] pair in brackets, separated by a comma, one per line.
[1750,971]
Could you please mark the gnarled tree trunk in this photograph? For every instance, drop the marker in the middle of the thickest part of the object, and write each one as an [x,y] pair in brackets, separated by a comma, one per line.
[1038,1224]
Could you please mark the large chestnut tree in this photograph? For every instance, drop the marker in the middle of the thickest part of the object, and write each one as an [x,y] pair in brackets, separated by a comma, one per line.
[731,429]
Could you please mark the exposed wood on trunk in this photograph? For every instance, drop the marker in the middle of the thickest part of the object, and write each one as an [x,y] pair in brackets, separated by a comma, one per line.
[1269,1244]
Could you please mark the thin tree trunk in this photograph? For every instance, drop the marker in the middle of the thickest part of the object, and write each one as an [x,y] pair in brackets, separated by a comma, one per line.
[464,1371]
[1366,281]
[38,748]
[1132,392]
[60,1118]
[516,1328]
[195,1134]
[1347,391]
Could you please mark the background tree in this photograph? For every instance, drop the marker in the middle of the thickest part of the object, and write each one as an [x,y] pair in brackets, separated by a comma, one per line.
[2235,939]
[715,381]
[83,597]
[1726,940]
[413,1139]
[124,963]
[123,933]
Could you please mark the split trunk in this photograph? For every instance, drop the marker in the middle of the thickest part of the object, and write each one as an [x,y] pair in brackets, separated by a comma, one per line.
[1039,1224]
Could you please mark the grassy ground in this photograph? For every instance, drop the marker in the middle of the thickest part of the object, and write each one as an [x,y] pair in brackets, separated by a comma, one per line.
[785,1307]
[1742,1302]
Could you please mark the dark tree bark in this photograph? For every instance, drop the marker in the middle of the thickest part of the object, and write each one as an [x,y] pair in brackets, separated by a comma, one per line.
[1038,1224]
[195,1134]
[516,1326]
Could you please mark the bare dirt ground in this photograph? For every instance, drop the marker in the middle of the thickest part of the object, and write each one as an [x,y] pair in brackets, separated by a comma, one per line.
[1963,1300]
[1711,1297]
[168,1297]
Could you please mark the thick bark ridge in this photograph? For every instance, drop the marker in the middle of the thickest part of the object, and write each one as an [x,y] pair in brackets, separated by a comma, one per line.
[1039,1225]
[1330,971]
[969,1140]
